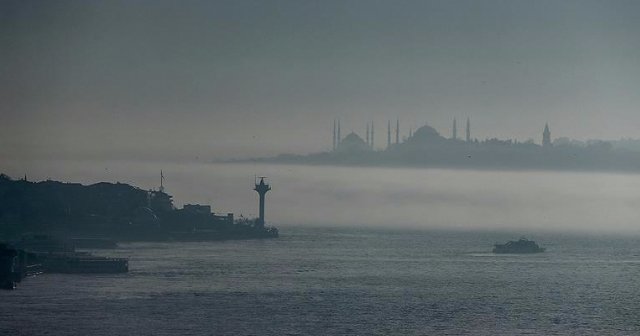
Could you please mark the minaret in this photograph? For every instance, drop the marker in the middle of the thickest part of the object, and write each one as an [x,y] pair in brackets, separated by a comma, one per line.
[454,133]
[262,189]
[338,139]
[546,136]
[468,130]
[398,131]
[334,134]
[371,142]
[161,181]
[389,134]
[367,142]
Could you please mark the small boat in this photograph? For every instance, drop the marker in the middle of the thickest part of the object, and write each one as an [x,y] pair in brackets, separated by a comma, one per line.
[523,245]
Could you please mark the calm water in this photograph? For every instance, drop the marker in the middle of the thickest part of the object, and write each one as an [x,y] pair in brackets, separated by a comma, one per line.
[316,281]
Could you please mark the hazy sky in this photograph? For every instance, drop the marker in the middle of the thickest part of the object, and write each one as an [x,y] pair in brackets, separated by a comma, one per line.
[211,79]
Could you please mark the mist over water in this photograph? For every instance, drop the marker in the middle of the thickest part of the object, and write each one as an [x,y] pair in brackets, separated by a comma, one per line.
[120,91]
[519,201]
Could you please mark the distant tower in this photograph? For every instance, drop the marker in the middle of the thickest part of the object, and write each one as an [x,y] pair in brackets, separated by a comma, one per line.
[454,134]
[389,134]
[371,142]
[468,130]
[334,134]
[367,141]
[546,136]
[262,189]
[338,139]
[398,131]
[161,181]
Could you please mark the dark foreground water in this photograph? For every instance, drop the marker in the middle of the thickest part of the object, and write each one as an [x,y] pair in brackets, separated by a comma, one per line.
[343,282]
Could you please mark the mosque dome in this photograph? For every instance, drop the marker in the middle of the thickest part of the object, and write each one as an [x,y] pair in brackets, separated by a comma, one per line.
[352,143]
[426,135]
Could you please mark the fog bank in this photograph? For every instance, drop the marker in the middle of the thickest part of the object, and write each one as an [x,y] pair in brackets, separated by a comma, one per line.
[523,201]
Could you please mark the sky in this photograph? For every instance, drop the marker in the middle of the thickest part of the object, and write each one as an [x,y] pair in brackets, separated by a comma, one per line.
[203,80]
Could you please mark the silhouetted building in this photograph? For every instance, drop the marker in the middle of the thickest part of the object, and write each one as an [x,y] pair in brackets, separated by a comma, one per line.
[426,147]
[546,136]
[425,136]
[160,201]
[352,143]
[197,209]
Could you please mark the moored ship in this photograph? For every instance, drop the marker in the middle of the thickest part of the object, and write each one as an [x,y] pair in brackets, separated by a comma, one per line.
[523,245]
[81,263]
[59,256]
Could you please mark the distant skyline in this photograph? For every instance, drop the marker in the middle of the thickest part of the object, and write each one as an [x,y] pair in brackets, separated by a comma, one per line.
[183,80]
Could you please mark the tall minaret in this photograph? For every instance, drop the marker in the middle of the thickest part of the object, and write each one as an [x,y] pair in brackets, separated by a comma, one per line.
[398,131]
[334,134]
[262,189]
[389,134]
[468,130]
[454,133]
[367,142]
[338,139]
[546,136]
[371,142]
[161,181]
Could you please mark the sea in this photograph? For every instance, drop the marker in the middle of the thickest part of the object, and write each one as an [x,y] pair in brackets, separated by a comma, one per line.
[362,251]
[344,281]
